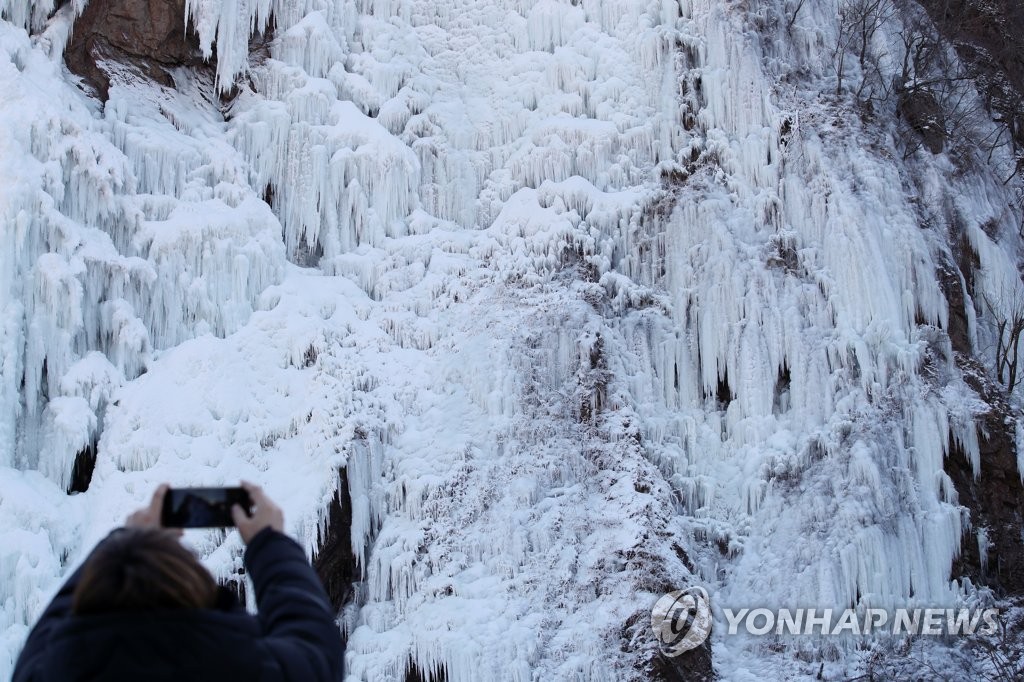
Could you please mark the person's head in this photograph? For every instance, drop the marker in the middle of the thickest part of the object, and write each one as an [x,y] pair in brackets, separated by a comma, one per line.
[142,569]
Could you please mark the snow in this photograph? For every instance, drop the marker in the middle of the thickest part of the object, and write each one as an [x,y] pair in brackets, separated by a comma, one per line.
[496,259]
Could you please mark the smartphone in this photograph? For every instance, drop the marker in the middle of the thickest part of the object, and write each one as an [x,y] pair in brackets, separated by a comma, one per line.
[202,507]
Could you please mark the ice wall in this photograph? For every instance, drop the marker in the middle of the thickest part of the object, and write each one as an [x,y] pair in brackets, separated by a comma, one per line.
[593,299]
[126,232]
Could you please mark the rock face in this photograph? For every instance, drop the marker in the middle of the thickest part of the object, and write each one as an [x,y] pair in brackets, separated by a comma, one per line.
[147,36]
[995,498]
[989,37]
[692,666]
[924,114]
[335,562]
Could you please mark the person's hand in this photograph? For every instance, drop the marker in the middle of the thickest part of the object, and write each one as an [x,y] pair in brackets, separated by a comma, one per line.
[265,514]
[149,517]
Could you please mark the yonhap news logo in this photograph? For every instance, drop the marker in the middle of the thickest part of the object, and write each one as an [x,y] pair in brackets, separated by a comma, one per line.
[836,622]
[682,620]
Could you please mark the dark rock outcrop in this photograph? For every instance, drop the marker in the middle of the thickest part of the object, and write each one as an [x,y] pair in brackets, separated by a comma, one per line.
[335,562]
[81,473]
[923,113]
[996,497]
[146,36]
[692,666]
[988,36]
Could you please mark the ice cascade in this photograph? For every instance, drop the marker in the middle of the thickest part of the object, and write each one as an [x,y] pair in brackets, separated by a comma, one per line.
[590,300]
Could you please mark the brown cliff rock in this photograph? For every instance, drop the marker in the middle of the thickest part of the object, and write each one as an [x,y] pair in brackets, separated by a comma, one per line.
[146,36]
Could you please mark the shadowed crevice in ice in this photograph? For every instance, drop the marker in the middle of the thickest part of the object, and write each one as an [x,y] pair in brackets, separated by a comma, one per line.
[414,674]
[335,562]
[81,474]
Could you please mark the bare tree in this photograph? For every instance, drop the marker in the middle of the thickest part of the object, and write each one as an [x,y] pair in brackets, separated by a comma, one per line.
[996,657]
[793,13]
[1018,202]
[936,94]
[859,21]
[987,35]
[1008,314]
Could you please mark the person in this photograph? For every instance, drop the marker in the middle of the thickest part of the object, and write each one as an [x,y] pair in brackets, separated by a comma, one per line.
[142,608]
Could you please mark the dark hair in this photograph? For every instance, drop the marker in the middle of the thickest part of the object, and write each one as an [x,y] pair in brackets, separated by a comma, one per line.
[142,569]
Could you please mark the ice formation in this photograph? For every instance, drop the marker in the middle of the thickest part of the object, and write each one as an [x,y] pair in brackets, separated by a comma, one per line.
[573,290]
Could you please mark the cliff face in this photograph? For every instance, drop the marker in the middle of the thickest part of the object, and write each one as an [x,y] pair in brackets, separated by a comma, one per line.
[528,313]
[138,38]
[991,494]
[989,40]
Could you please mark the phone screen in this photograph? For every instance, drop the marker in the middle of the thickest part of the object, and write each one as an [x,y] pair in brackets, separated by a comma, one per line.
[202,507]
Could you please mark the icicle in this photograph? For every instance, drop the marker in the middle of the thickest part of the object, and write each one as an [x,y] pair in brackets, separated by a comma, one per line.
[551,23]
[312,44]
[228,24]
[469,207]
[984,544]
[69,426]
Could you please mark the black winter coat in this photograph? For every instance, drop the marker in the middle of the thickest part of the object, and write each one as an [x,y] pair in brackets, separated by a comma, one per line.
[293,638]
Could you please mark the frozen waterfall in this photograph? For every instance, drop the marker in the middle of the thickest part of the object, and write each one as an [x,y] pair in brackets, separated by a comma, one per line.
[592,300]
